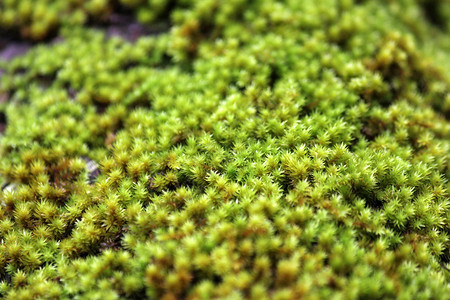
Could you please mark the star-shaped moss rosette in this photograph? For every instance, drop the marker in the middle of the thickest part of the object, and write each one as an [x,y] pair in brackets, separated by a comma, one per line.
[242,150]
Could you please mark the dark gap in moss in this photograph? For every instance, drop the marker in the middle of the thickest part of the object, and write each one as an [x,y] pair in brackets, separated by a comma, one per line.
[444,267]
[217,279]
[166,60]
[84,254]
[5,277]
[309,107]
[394,91]
[114,242]
[100,107]
[368,133]
[129,29]
[130,65]
[445,259]
[422,85]
[139,294]
[170,6]
[372,128]
[184,181]
[72,93]
[274,76]
[3,122]
[179,140]
[14,34]
[45,81]
[107,20]
[369,196]
[102,20]
[20,71]
[118,127]
[141,102]
[432,12]
[122,22]
[8,35]
[342,42]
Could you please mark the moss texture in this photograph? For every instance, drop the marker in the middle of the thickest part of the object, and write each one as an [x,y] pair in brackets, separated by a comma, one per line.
[254,150]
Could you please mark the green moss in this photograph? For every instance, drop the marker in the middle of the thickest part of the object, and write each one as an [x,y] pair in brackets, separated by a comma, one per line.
[263,149]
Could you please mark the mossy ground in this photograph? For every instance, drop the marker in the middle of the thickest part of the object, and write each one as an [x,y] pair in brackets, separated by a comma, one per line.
[228,149]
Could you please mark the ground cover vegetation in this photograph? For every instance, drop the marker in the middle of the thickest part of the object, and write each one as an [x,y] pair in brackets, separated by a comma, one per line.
[247,150]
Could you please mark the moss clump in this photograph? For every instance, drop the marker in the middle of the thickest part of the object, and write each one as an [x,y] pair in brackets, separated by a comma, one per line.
[259,149]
